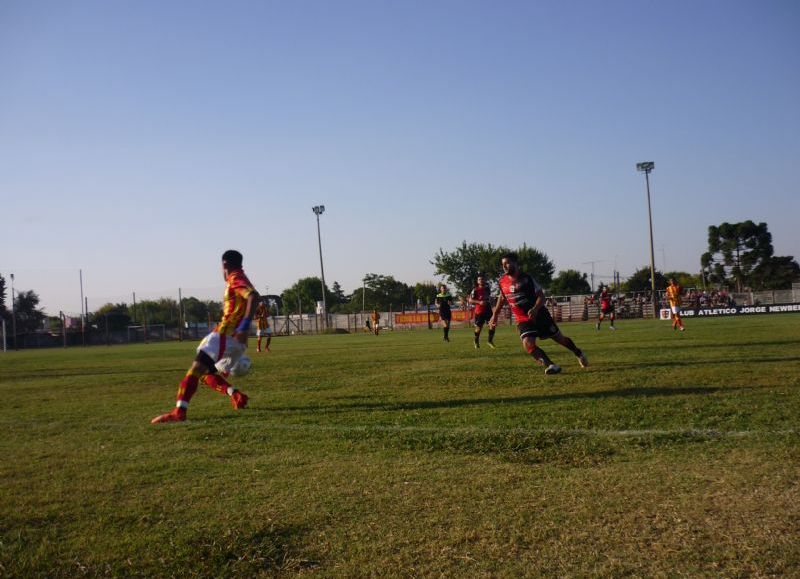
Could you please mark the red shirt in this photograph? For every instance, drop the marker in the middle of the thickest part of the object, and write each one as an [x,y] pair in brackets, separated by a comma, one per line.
[605,300]
[482,296]
[521,294]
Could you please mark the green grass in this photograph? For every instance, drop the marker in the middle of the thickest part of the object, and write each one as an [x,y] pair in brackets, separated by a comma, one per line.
[672,455]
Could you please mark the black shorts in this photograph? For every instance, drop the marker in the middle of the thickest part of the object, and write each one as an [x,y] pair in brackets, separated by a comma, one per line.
[445,315]
[542,327]
[608,310]
[483,318]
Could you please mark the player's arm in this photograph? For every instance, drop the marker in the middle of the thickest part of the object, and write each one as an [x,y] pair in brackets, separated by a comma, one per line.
[501,301]
[537,305]
[243,329]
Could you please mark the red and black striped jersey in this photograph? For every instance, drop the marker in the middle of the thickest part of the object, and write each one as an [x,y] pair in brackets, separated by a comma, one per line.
[482,296]
[520,292]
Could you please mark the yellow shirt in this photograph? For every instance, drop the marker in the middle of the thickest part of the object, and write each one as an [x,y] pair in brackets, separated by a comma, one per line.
[234,301]
[674,294]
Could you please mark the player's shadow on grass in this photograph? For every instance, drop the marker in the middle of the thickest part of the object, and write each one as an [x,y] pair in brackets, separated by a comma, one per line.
[431,404]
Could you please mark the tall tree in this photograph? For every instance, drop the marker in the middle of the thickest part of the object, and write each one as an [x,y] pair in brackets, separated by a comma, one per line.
[776,272]
[4,313]
[570,282]
[640,281]
[734,251]
[338,293]
[29,317]
[684,278]
[307,292]
[425,292]
[462,265]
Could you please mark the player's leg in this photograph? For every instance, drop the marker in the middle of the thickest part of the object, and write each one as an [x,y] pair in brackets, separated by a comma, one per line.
[476,340]
[216,378]
[599,321]
[446,329]
[611,319]
[269,337]
[258,342]
[529,343]
[186,390]
[563,340]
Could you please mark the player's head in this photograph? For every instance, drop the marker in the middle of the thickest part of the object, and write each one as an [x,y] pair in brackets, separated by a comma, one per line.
[671,281]
[231,260]
[480,279]
[442,288]
[510,262]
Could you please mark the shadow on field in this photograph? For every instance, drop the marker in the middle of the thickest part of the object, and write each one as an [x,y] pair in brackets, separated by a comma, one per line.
[712,362]
[428,404]
[270,549]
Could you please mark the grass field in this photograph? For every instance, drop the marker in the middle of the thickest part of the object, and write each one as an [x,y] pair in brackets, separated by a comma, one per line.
[398,455]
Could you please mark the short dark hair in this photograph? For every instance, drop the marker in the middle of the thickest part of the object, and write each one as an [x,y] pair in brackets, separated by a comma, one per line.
[232,259]
[510,256]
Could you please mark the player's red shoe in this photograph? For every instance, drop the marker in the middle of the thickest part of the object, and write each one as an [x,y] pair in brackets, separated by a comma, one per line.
[239,400]
[177,415]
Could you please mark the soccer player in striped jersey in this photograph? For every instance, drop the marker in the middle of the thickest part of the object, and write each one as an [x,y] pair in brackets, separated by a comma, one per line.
[674,293]
[480,297]
[526,299]
[262,326]
[606,308]
[223,347]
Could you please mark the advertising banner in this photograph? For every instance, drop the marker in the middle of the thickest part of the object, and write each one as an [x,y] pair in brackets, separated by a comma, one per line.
[734,311]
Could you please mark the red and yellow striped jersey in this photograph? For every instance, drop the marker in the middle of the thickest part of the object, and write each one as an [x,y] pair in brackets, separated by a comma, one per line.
[674,294]
[262,317]
[234,301]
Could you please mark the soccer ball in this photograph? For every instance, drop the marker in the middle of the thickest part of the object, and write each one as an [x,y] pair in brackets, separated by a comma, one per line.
[242,367]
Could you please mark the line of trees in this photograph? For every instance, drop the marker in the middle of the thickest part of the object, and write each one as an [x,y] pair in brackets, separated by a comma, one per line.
[740,255]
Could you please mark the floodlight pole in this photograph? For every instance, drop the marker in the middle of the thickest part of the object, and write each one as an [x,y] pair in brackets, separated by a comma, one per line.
[645,168]
[319,210]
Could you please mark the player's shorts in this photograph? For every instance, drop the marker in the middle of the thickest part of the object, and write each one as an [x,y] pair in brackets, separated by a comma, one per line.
[608,310]
[543,327]
[675,310]
[445,315]
[482,318]
[264,332]
[223,350]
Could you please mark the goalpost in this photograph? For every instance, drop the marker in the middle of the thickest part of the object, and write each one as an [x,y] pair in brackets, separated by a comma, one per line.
[155,333]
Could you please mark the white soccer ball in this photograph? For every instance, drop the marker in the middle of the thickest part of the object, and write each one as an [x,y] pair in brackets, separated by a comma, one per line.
[242,367]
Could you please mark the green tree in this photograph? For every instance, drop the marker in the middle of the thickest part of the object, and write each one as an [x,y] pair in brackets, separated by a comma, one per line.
[4,313]
[195,310]
[308,291]
[116,316]
[462,265]
[382,292]
[640,281]
[338,294]
[425,292]
[29,317]
[775,273]
[734,251]
[685,279]
[570,282]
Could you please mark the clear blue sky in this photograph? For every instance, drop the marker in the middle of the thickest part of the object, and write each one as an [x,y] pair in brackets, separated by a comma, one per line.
[139,140]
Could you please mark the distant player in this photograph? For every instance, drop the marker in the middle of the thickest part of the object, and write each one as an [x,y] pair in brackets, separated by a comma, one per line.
[225,346]
[480,297]
[444,300]
[674,293]
[526,299]
[606,308]
[263,329]
[376,318]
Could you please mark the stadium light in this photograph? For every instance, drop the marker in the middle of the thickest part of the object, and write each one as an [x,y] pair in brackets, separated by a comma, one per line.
[645,167]
[319,210]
